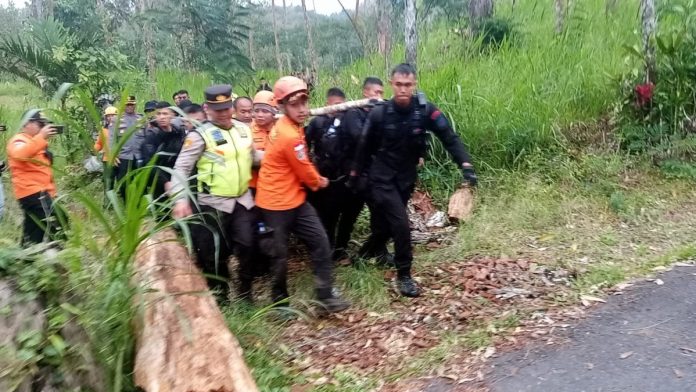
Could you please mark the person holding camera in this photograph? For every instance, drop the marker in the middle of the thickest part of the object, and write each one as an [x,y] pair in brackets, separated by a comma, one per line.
[32,177]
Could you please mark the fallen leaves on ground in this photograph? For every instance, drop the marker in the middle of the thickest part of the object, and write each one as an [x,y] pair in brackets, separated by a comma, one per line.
[456,297]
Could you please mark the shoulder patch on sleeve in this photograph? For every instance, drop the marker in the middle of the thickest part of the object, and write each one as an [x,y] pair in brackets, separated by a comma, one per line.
[435,115]
[300,151]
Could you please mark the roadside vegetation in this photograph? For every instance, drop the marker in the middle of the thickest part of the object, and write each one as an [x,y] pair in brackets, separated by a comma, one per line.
[580,175]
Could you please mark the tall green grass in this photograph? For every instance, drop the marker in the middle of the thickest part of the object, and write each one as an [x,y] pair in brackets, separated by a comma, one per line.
[510,102]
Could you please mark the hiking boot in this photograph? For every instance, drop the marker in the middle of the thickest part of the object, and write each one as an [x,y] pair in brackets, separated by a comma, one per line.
[333,303]
[407,287]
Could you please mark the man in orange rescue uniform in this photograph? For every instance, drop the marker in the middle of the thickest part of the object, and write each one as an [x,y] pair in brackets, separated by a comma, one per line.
[102,145]
[32,177]
[264,118]
[281,197]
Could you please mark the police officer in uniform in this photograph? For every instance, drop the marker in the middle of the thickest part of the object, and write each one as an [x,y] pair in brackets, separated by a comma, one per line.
[128,158]
[395,139]
[222,152]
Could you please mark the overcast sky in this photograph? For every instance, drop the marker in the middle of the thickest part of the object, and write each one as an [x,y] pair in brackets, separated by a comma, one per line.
[323,6]
[326,7]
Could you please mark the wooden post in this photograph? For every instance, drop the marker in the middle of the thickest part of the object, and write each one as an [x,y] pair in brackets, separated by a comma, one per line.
[411,33]
[183,343]
[649,26]
[279,61]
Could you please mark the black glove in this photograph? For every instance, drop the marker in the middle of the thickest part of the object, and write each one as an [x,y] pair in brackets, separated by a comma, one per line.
[469,177]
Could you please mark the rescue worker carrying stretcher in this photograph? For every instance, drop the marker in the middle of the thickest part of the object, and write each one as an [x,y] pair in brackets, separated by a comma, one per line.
[222,152]
[394,139]
[285,171]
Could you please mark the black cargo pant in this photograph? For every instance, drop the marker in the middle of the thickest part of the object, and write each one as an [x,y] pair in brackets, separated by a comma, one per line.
[234,233]
[124,167]
[339,208]
[389,219]
[109,176]
[42,219]
[305,224]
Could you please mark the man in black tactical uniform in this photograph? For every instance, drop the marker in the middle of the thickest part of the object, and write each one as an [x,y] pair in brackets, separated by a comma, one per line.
[162,143]
[332,149]
[394,140]
[353,123]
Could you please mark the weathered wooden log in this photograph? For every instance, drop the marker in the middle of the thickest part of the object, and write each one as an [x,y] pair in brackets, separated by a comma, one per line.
[183,343]
[461,204]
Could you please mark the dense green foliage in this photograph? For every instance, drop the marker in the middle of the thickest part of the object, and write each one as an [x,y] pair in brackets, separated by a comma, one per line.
[521,105]
[663,126]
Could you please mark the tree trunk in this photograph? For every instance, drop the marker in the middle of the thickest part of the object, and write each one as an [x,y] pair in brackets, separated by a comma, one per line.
[384,26]
[149,47]
[252,56]
[310,45]
[411,33]
[183,343]
[354,23]
[357,6]
[37,9]
[480,10]
[560,15]
[275,37]
[649,25]
[103,15]
[48,9]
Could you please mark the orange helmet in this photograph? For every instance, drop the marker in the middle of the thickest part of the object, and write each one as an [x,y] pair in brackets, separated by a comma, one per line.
[287,86]
[264,97]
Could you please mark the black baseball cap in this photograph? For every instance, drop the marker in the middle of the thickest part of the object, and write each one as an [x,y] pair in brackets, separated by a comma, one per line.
[184,104]
[162,105]
[219,97]
[33,115]
[150,106]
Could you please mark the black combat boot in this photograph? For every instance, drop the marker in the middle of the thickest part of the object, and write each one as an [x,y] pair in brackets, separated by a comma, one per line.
[331,302]
[407,286]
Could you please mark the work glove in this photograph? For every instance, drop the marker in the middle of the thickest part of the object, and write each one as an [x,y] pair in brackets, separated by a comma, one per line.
[469,177]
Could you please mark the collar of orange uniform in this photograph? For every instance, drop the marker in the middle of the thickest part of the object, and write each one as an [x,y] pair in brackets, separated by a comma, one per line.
[289,122]
[258,128]
[286,123]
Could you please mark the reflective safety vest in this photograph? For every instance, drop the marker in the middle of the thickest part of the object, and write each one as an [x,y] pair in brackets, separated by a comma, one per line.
[224,169]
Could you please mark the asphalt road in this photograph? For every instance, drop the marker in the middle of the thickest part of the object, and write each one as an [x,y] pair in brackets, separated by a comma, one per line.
[641,341]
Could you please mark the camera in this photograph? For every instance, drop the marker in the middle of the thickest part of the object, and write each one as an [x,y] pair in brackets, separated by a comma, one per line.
[59,128]
[3,128]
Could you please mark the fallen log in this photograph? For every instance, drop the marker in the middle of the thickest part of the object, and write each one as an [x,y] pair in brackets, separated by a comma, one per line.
[183,343]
